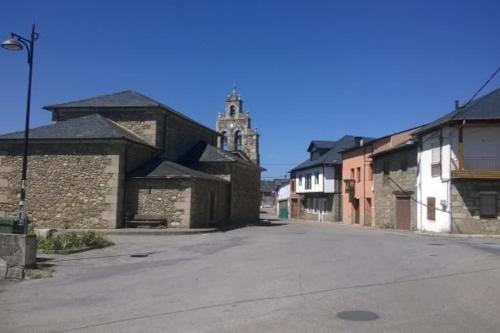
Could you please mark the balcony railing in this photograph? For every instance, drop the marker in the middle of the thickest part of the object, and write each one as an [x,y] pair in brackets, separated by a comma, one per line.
[350,186]
[477,167]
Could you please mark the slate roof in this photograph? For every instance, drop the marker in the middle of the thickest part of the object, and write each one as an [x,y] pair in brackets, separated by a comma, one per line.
[272,185]
[486,107]
[159,168]
[403,145]
[88,127]
[203,152]
[124,99]
[321,144]
[333,156]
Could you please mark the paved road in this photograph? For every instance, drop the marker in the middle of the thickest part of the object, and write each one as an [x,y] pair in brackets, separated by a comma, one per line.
[295,277]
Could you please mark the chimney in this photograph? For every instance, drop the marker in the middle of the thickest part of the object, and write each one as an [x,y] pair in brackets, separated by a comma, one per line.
[358,142]
[457,104]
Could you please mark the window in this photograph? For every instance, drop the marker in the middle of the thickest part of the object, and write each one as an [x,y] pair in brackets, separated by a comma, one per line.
[300,180]
[224,140]
[358,175]
[292,186]
[238,142]
[436,161]
[431,208]
[232,110]
[316,205]
[309,204]
[308,181]
[352,174]
[316,177]
[404,164]
[488,205]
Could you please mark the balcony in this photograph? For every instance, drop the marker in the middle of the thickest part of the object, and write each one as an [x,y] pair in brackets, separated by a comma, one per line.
[476,168]
[350,186]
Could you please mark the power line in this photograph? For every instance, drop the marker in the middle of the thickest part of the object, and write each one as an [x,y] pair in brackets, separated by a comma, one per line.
[482,87]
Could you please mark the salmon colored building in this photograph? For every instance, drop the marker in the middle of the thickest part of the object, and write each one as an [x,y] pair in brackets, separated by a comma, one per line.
[357,177]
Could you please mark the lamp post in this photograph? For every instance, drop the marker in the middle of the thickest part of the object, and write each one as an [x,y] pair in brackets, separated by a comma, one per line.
[17,43]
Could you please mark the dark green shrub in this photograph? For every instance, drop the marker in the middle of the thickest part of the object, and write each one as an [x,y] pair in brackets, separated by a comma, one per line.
[71,241]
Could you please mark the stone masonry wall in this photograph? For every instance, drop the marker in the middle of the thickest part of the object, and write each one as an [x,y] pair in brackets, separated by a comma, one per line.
[465,196]
[245,194]
[145,123]
[397,181]
[69,186]
[181,136]
[200,203]
[169,199]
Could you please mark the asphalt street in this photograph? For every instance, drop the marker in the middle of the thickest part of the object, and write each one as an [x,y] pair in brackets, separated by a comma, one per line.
[278,277]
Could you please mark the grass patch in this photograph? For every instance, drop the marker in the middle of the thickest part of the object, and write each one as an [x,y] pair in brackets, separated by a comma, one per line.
[71,242]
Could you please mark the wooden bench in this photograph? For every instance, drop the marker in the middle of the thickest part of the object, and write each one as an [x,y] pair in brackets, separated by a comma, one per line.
[145,221]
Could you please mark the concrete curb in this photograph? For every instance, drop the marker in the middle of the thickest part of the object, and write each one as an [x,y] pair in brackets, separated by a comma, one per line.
[401,232]
[153,232]
[432,234]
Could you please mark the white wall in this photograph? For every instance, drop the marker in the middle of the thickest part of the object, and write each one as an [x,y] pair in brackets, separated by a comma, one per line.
[437,187]
[326,182]
[331,185]
[284,192]
[301,180]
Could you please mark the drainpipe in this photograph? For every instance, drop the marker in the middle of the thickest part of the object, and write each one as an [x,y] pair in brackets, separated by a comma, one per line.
[419,184]
[364,185]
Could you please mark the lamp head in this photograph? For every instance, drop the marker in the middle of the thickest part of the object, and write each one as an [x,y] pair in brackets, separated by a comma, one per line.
[12,44]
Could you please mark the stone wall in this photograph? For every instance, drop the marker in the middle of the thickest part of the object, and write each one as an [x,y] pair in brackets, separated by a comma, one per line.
[397,182]
[245,193]
[169,199]
[333,211]
[69,185]
[200,203]
[16,253]
[465,196]
[182,135]
[147,124]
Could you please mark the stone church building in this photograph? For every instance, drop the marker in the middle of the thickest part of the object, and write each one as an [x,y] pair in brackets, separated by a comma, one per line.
[126,159]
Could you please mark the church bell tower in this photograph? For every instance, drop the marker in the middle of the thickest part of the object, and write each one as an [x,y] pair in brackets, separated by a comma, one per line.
[236,129]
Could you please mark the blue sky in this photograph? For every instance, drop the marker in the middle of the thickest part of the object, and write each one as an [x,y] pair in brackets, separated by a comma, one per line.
[306,69]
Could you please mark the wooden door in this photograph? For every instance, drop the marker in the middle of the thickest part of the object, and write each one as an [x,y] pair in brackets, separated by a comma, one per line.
[403,213]
[295,208]
[355,207]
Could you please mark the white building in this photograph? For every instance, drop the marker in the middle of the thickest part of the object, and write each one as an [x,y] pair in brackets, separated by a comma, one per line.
[283,198]
[317,181]
[458,182]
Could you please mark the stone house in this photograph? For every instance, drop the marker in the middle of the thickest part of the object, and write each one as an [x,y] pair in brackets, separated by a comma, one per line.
[394,186]
[359,192]
[115,158]
[458,182]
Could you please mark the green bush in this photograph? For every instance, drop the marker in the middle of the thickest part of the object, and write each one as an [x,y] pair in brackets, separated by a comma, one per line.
[70,241]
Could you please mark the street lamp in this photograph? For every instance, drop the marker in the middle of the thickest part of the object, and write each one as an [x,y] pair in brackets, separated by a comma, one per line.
[17,43]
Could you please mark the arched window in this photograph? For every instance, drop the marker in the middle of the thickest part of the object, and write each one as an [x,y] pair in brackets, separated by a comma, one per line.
[238,141]
[224,140]
[232,110]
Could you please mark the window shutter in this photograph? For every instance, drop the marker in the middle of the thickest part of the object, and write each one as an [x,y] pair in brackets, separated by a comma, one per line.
[431,208]
[436,155]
